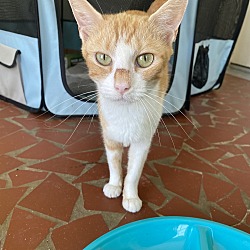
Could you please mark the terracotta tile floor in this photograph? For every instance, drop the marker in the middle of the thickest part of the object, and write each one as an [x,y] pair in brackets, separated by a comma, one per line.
[51,193]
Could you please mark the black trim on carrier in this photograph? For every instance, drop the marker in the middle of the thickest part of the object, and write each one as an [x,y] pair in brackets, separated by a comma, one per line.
[19,105]
[13,63]
[42,104]
[61,51]
[175,55]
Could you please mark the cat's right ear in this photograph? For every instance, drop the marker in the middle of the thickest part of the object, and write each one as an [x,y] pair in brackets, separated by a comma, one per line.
[86,17]
[168,18]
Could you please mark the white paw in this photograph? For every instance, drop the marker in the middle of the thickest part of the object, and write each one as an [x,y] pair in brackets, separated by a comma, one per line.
[111,191]
[132,205]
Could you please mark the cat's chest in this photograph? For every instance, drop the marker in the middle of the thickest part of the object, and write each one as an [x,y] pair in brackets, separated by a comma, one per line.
[128,123]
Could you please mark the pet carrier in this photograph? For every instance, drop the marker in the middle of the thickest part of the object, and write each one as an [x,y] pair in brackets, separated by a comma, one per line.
[41,65]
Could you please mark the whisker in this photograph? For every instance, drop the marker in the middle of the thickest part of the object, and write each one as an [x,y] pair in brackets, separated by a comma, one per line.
[175,108]
[57,105]
[92,120]
[71,105]
[164,126]
[157,131]
[64,120]
[78,125]
[145,109]
[99,7]
[86,85]
[171,115]
[171,138]
[165,93]
[183,114]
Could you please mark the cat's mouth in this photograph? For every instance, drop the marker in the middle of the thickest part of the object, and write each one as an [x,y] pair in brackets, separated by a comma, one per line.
[122,98]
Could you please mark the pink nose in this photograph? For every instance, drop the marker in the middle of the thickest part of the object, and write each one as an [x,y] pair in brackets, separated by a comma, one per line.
[122,87]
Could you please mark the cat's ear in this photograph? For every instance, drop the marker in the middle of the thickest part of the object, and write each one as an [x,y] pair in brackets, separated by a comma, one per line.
[168,18]
[86,17]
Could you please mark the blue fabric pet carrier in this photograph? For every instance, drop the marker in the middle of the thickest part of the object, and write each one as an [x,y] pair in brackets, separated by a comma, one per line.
[41,67]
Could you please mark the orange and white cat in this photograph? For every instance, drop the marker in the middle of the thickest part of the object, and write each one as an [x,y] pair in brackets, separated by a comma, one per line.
[127,56]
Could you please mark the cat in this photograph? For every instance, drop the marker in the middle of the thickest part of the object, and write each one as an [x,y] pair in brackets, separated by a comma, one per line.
[127,57]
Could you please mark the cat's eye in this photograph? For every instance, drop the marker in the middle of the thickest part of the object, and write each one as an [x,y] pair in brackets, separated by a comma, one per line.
[103,59]
[145,60]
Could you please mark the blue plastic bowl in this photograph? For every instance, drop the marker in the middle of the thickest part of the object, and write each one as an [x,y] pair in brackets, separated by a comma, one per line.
[173,233]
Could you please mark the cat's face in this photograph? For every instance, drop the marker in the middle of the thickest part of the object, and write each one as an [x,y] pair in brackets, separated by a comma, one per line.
[127,54]
[126,57]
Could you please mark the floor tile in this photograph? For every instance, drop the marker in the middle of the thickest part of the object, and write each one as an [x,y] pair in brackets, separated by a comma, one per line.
[246,150]
[146,212]
[8,200]
[99,202]
[211,155]
[88,142]
[240,179]
[190,161]
[26,230]
[10,111]
[236,162]
[163,140]
[8,163]
[61,165]
[53,197]
[16,141]
[7,128]
[243,227]
[184,209]
[215,188]
[221,217]
[218,135]
[234,205]
[149,192]
[43,150]
[3,183]
[30,123]
[230,148]
[181,182]
[197,142]
[243,140]
[21,177]
[79,233]
[97,172]
[147,170]
[158,152]
[59,136]
[90,157]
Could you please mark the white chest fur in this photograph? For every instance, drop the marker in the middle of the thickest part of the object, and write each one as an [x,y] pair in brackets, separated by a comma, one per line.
[130,122]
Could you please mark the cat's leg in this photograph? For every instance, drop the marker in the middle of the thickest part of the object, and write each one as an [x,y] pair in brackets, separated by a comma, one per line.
[114,151]
[137,156]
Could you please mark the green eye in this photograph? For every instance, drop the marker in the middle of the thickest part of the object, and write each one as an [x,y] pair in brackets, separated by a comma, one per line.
[103,59]
[145,60]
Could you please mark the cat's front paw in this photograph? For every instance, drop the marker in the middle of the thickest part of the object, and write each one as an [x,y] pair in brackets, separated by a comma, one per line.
[132,205]
[112,191]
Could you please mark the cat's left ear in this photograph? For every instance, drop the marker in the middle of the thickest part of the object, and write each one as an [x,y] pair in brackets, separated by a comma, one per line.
[86,17]
[168,18]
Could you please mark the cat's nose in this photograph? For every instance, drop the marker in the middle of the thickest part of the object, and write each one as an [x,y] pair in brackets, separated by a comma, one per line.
[122,87]
[122,80]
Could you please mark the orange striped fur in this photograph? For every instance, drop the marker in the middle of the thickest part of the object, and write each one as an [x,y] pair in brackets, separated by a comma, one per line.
[130,92]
